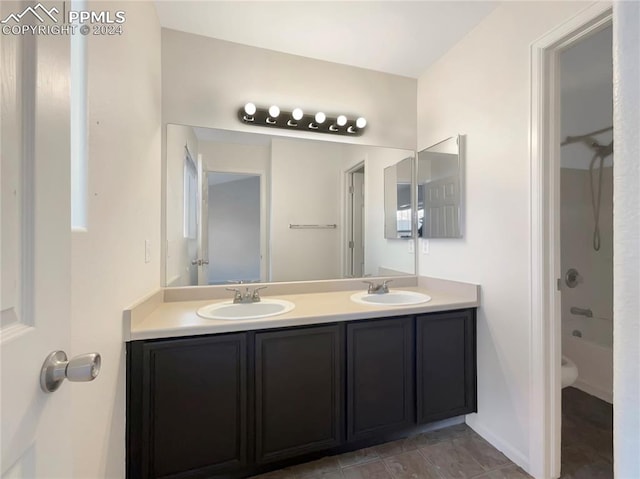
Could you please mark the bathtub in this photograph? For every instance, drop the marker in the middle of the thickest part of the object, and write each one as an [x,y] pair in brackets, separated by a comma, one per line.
[594,359]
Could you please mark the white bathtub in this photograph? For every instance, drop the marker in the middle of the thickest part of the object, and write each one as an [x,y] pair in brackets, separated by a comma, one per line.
[594,361]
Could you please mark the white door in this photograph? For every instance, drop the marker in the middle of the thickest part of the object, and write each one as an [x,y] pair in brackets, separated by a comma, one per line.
[355,222]
[358,223]
[442,213]
[234,226]
[36,242]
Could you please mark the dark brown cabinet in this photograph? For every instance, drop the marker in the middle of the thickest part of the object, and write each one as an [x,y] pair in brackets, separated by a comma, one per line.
[298,391]
[190,402]
[380,365]
[235,405]
[446,365]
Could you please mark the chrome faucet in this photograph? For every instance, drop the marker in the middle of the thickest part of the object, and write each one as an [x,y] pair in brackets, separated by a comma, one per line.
[378,288]
[246,296]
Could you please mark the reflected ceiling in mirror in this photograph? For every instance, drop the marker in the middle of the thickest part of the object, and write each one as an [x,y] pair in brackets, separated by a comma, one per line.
[440,190]
[255,207]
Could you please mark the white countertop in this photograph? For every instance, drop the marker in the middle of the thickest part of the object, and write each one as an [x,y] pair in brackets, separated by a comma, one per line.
[179,318]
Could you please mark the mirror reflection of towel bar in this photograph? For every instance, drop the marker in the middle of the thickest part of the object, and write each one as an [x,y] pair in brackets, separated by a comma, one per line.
[581,312]
[316,227]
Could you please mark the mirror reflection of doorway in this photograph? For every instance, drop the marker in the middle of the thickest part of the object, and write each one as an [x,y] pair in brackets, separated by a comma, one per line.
[355,221]
[234,234]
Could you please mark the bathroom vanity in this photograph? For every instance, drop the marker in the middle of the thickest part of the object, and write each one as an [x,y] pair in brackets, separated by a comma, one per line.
[227,399]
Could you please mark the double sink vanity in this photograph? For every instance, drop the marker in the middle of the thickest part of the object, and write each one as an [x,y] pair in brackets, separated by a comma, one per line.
[308,361]
[224,389]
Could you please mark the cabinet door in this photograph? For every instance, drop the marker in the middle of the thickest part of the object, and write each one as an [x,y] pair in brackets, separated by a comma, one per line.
[380,377]
[193,409]
[446,369]
[298,391]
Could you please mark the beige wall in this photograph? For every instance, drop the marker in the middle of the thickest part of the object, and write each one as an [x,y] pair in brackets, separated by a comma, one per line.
[481,88]
[180,250]
[205,81]
[300,198]
[108,267]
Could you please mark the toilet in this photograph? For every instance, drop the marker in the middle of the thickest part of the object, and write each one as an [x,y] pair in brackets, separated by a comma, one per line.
[569,372]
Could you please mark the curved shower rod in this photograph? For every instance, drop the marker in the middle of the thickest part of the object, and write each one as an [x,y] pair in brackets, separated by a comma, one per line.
[588,136]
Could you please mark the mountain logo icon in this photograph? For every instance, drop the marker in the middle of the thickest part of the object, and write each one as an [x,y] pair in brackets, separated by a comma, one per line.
[39,11]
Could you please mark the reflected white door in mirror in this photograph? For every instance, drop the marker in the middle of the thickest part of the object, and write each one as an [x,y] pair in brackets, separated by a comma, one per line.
[441,189]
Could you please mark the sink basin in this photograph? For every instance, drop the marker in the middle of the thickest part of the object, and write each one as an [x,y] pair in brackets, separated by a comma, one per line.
[238,311]
[392,298]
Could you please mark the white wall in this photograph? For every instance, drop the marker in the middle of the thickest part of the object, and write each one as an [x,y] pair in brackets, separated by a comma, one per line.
[481,88]
[626,268]
[205,81]
[108,266]
[595,290]
[180,250]
[234,230]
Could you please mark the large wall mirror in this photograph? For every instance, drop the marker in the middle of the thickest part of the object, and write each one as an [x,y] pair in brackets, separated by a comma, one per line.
[440,181]
[255,207]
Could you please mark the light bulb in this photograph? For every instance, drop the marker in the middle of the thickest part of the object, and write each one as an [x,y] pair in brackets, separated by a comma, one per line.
[297,114]
[341,120]
[274,111]
[320,117]
[250,109]
[361,122]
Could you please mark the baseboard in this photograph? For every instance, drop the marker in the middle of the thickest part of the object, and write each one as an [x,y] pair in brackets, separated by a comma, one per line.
[594,391]
[500,444]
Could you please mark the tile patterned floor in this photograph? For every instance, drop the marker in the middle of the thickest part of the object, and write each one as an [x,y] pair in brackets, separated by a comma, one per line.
[587,436]
[452,453]
[457,452]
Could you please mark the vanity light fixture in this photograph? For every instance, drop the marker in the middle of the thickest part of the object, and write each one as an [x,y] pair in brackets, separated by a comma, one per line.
[360,124]
[340,121]
[297,114]
[274,112]
[249,110]
[318,120]
[299,120]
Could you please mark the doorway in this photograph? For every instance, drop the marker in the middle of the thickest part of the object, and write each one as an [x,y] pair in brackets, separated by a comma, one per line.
[355,222]
[547,286]
[586,254]
[233,219]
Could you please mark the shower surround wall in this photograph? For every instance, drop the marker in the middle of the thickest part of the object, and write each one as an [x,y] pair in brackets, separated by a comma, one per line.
[588,341]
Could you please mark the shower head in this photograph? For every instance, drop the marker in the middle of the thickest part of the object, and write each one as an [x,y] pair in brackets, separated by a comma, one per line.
[601,150]
[604,150]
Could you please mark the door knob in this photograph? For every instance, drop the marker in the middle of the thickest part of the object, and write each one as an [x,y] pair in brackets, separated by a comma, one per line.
[199,262]
[57,367]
